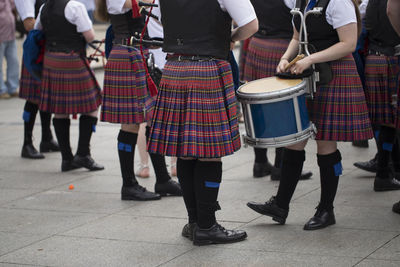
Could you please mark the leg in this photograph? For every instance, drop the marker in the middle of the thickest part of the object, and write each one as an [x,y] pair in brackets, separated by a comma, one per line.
[164,184]
[12,67]
[143,171]
[48,144]
[29,117]
[329,162]
[87,125]
[207,179]
[131,190]
[276,172]
[173,166]
[371,165]
[3,87]
[261,167]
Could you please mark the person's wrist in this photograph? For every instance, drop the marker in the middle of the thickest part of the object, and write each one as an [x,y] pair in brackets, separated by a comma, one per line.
[283,58]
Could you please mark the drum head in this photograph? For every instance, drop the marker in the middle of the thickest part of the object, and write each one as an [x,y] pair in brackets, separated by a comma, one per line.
[268,85]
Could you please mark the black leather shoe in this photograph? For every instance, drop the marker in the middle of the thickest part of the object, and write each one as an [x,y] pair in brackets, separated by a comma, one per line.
[386,184]
[30,152]
[87,162]
[68,165]
[270,208]
[188,230]
[138,192]
[276,175]
[262,169]
[396,207]
[360,143]
[49,146]
[321,219]
[168,188]
[217,234]
[369,166]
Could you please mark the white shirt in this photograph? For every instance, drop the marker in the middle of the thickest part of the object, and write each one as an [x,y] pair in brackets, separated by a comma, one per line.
[75,13]
[89,4]
[116,7]
[155,29]
[363,8]
[25,8]
[338,12]
[241,11]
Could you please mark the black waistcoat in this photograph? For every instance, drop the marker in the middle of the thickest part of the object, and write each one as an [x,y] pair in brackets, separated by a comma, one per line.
[61,35]
[196,27]
[38,4]
[124,26]
[321,34]
[274,18]
[380,30]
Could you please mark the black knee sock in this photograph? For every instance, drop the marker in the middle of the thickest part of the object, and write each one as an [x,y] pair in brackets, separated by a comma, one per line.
[386,140]
[278,157]
[330,168]
[126,153]
[207,179]
[29,117]
[185,172]
[45,118]
[61,127]
[292,165]
[87,125]
[396,154]
[261,155]
[159,165]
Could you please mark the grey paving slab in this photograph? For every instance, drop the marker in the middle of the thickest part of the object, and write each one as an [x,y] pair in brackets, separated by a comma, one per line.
[72,201]
[15,265]
[333,241]
[70,251]
[13,241]
[8,195]
[390,251]
[42,221]
[217,256]
[378,263]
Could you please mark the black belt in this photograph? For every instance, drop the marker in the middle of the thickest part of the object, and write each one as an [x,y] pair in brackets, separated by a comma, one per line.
[191,58]
[121,41]
[383,51]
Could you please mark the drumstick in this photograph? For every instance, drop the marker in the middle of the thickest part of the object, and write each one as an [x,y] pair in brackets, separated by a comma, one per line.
[297,58]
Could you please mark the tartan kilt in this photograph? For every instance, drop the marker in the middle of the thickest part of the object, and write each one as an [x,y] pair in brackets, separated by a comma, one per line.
[381,76]
[68,84]
[398,102]
[244,45]
[126,99]
[196,112]
[339,110]
[29,88]
[262,57]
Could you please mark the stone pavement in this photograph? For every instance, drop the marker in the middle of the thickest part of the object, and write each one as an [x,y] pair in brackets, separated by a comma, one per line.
[43,223]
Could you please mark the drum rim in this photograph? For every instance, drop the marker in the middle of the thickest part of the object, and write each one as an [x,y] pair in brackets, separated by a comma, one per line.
[302,86]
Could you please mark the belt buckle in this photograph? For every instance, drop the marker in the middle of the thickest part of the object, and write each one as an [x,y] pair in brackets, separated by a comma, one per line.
[179,58]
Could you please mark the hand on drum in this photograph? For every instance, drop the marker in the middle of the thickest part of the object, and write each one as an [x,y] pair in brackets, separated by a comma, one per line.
[282,65]
[301,66]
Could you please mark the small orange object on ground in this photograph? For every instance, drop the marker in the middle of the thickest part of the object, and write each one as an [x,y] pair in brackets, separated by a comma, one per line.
[71,187]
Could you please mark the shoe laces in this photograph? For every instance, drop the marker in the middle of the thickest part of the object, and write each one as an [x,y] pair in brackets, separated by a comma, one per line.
[271,200]
[141,188]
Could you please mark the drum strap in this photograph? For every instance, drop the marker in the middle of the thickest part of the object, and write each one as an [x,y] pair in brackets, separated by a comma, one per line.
[321,3]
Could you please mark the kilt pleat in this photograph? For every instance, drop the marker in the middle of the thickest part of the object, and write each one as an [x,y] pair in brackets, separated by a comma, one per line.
[262,57]
[339,110]
[382,74]
[68,84]
[29,88]
[195,113]
[126,98]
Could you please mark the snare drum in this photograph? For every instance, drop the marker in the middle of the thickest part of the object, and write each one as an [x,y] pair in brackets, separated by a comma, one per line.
[275,112]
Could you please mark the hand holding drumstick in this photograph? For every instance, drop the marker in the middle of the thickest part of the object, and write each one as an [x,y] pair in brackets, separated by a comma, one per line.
[296,66]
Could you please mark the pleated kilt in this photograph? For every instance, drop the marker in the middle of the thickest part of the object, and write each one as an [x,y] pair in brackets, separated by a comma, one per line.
[29,88]
[195,113]
[381,76]
[68,84]
[242,57]
[262,57]
[339,110]
[126,99]
[398,102]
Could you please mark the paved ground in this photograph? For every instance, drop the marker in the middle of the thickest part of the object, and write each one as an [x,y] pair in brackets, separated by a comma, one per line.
[43,223]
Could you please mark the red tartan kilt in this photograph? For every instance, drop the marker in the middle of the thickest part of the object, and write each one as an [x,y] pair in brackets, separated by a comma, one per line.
[29,88]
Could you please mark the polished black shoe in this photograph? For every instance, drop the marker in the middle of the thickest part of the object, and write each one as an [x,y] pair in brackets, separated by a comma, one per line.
[68,165]
[386,184]
[321,219]
[369,166]
[262,169]
[217,234]
[188,230]
[138,192]
[396,207]
[276,175]
[360,143]
[49,146]
[30,152]
[168,188]
[270,208]
[87,162]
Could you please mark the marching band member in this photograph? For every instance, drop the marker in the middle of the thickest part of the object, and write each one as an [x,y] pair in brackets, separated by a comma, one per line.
[68,84]
[338,108]
[263,54]
[127,100]
[29,89]
[195,117]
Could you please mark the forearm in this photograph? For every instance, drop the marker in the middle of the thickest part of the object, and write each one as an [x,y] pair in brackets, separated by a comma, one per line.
[246,31]
[337,51]
[89,35]
[292,50]
[393,12]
